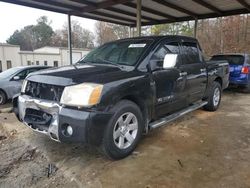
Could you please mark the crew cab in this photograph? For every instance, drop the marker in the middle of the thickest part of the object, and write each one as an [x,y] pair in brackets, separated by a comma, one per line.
[239,69]
[121,90]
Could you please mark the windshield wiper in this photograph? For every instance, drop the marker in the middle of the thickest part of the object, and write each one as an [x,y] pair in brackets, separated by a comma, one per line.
[109,62]
[83,61]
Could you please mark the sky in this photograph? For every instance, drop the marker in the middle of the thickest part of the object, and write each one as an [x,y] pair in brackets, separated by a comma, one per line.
[13,17]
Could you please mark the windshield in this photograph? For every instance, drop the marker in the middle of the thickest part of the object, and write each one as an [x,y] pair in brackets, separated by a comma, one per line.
[232,59]
[9,72]
[118,53]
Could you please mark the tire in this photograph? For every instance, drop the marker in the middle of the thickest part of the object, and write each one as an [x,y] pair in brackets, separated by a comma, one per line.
[122,135]
[214,97]
[3,97]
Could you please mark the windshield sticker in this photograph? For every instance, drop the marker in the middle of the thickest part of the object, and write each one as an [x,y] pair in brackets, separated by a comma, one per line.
[137,45]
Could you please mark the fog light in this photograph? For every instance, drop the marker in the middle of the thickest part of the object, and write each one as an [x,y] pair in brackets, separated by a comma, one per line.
[69,130]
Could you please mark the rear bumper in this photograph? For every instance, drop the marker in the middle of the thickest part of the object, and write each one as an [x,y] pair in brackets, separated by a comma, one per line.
[52,119]
[242,79]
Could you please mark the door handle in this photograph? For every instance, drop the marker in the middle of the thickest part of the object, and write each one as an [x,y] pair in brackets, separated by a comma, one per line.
[183,73]
[202,70]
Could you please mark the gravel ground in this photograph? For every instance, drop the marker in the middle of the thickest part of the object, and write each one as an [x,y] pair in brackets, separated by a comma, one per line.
[201,149]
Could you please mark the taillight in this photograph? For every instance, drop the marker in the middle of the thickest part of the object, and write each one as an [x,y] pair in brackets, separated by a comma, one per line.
[245,70]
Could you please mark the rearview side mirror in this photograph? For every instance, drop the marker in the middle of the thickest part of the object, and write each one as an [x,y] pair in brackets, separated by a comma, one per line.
[16,78]
[170,61]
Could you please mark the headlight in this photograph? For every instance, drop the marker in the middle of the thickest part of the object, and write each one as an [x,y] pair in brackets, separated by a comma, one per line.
[24,86]
[86,94]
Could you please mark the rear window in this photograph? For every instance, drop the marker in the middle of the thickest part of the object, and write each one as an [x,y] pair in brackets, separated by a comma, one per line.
[232,59]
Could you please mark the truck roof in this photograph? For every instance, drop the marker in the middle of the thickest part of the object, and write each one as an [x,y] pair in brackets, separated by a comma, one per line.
[231,54]
[154,37]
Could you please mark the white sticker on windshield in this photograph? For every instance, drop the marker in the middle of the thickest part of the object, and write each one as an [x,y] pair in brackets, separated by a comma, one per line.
[137,45]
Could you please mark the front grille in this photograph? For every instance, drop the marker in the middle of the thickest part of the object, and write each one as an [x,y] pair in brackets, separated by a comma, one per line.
[44,91]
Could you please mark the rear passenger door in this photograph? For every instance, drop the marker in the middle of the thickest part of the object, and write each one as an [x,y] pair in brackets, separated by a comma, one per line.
[194,67]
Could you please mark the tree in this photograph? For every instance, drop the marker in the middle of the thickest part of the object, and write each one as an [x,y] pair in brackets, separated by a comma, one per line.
[33,36]
[179,28]
[81,38]
[42,32]
[225,35]
[106,32]
[120,31]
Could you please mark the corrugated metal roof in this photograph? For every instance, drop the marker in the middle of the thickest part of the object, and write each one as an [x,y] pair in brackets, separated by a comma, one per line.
[153,11]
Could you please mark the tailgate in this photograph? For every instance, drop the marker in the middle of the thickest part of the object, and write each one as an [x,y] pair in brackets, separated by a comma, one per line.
[235,70]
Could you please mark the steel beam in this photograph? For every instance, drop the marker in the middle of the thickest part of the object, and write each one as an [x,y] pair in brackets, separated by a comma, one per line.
[208,6]
[151,11]
[195,27]
[244,4]
[138,17]
[70,39]
[103,5]
[178,8]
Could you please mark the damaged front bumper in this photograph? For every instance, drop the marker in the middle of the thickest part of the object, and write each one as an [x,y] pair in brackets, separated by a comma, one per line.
[55,120]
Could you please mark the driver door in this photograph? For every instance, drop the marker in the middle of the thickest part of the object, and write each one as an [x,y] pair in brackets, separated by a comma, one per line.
[170,84]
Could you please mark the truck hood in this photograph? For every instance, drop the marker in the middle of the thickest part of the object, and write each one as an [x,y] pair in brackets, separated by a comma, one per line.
[76,74]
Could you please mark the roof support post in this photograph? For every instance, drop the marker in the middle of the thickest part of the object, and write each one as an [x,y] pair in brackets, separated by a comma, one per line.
[138,17]
[130,32]
[195,27]
[70,39]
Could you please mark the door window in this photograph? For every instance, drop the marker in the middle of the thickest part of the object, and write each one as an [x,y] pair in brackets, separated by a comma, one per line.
[22,75]
[167,48]
[190,53]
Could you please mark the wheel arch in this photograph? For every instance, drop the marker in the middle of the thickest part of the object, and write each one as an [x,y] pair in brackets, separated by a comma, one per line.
[142,106]
[216,79]
[219,80]
[4,93]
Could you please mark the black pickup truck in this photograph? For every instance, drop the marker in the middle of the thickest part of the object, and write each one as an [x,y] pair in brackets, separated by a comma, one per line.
[121,90]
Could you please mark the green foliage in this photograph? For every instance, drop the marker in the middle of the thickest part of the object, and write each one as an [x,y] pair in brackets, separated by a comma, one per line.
[33,36]
[42,32]
[179,28]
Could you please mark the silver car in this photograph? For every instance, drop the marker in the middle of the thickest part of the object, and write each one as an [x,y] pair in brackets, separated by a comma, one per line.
[11,81]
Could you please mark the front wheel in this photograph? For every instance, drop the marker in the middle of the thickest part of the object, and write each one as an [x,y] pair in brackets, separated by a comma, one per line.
[123,131]
[214,97]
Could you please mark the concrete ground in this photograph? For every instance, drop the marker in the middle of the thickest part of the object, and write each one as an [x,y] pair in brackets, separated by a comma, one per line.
[202,149]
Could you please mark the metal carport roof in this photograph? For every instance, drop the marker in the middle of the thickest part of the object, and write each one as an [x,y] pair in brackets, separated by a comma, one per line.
[139,12]
[153,12]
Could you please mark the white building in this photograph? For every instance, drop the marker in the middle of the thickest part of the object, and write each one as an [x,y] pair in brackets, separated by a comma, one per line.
[11,56]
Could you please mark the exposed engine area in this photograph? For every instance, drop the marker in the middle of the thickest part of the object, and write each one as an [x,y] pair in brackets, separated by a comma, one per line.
[44,91]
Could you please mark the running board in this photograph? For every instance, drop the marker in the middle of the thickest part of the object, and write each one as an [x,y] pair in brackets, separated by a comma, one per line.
[172,117]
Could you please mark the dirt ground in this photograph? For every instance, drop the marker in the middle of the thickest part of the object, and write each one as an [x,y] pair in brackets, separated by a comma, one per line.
[202,149]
